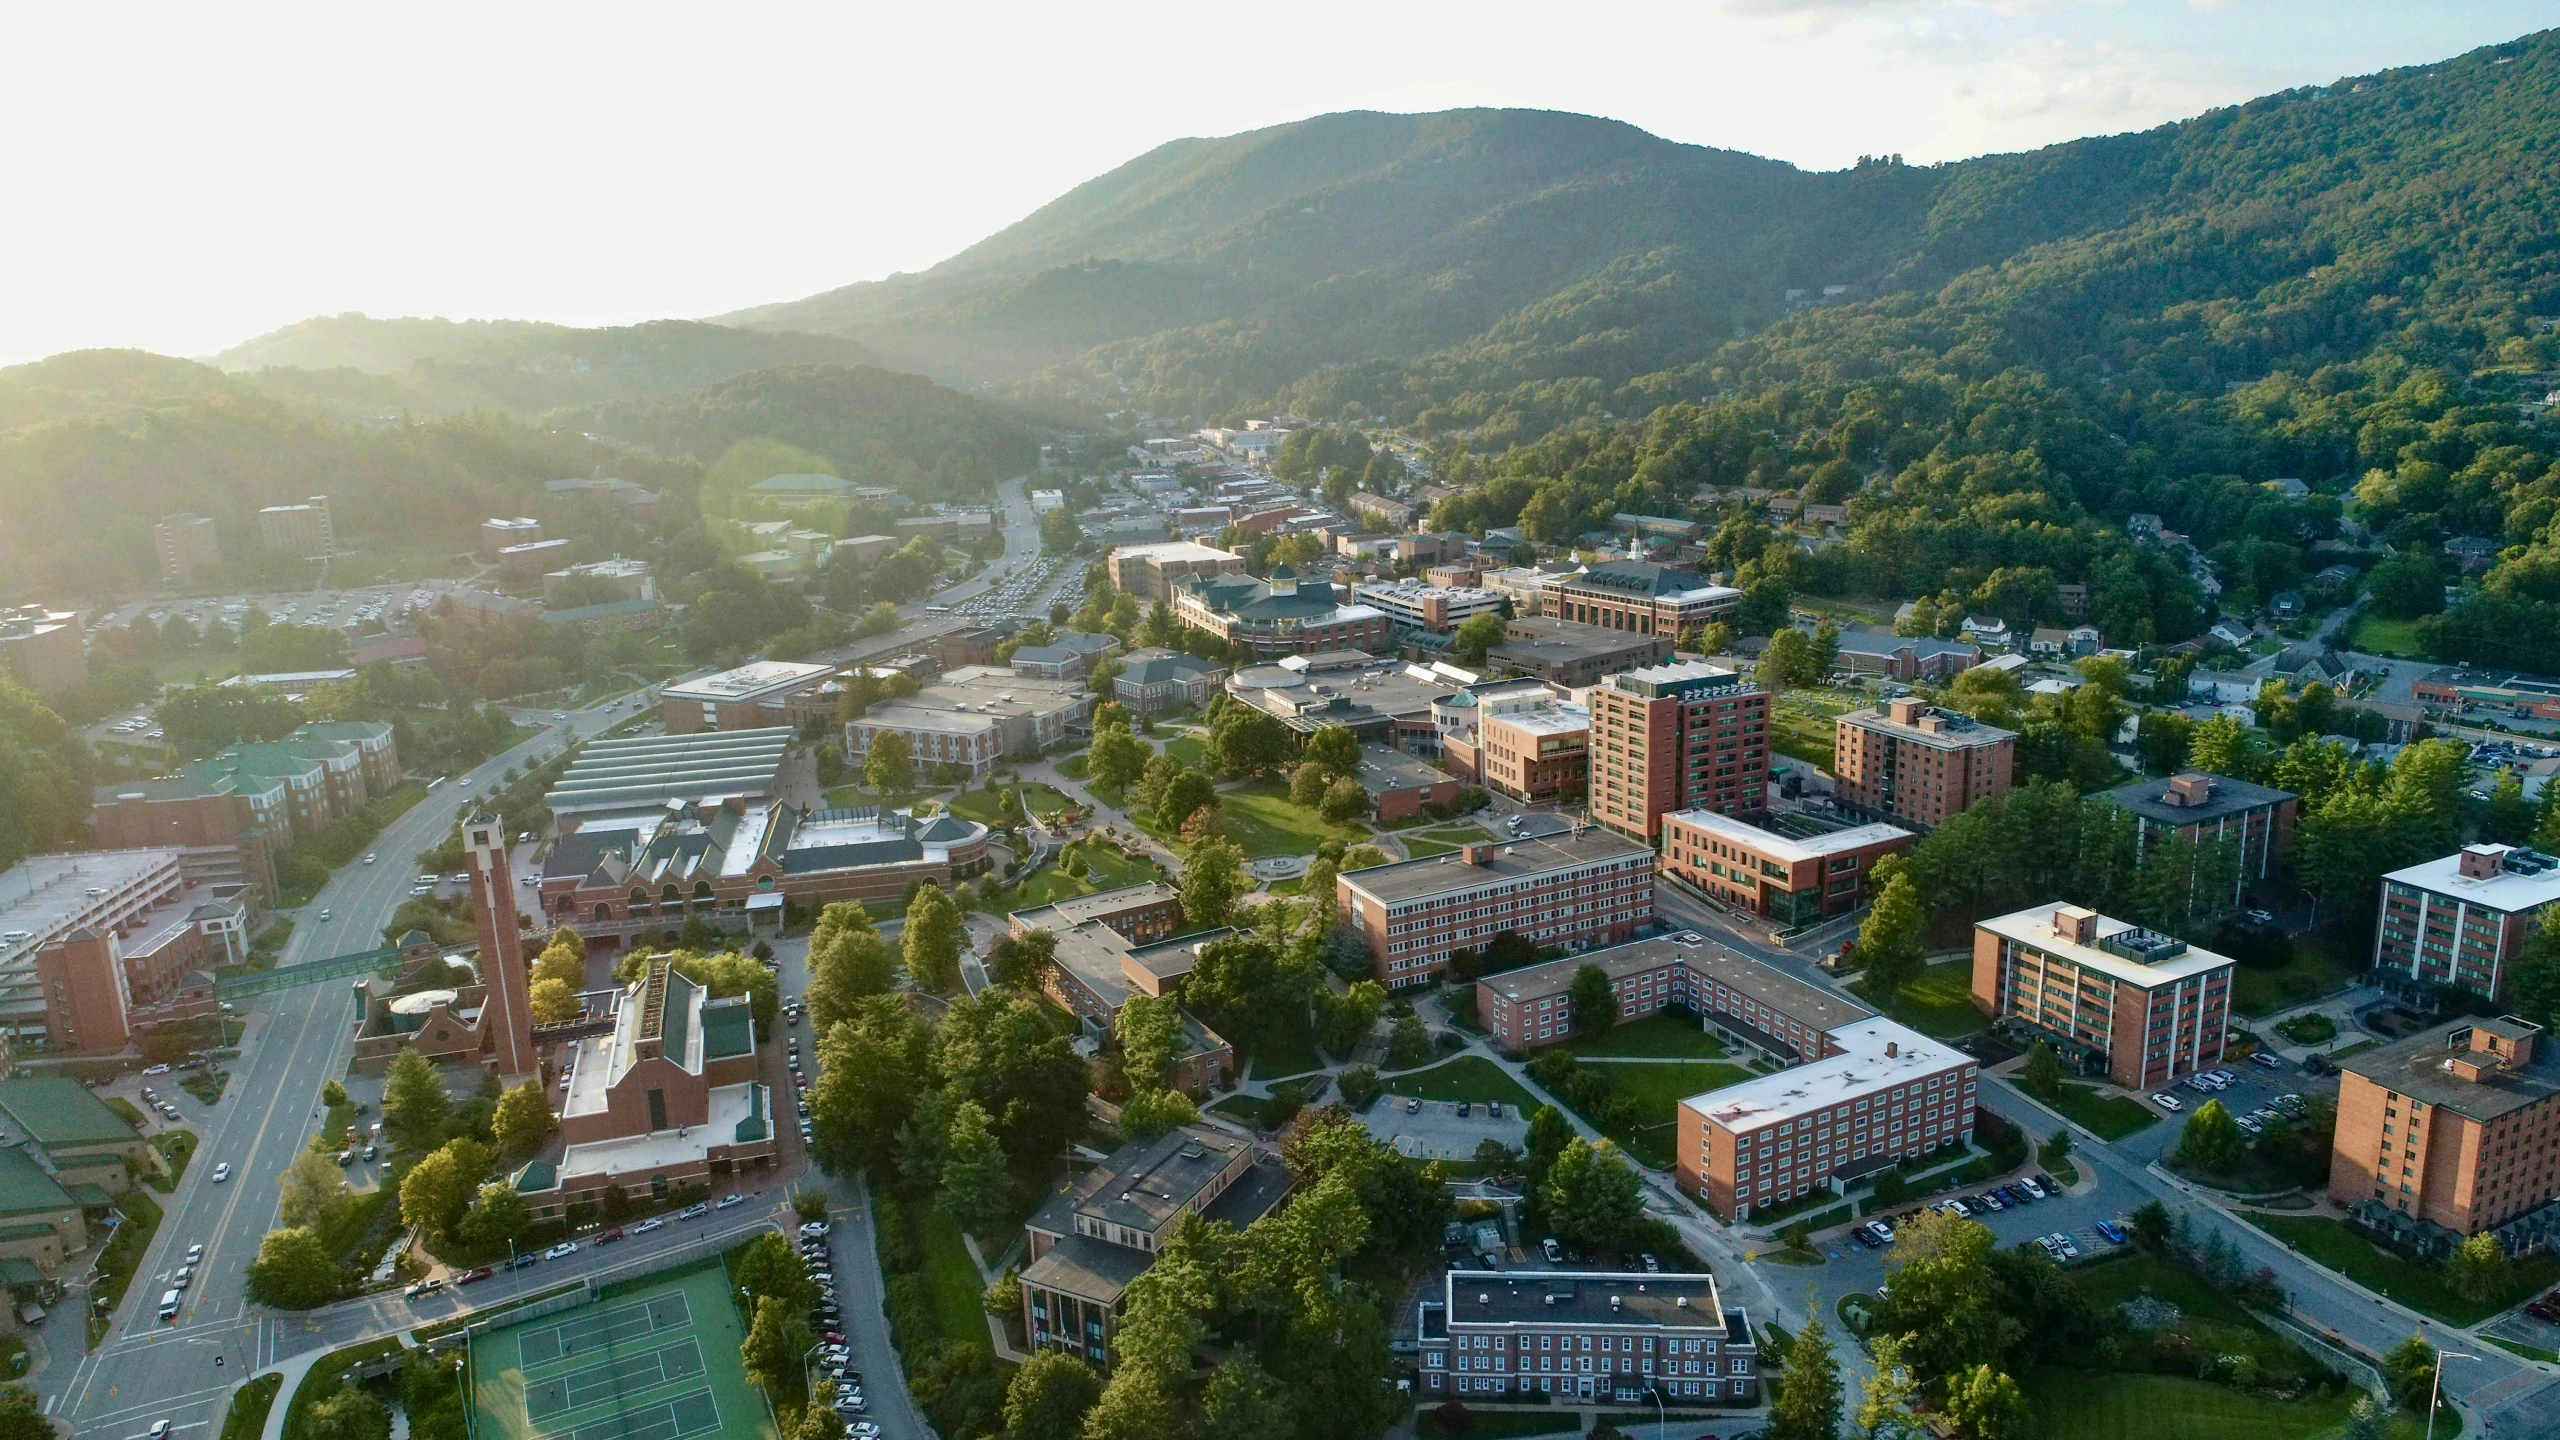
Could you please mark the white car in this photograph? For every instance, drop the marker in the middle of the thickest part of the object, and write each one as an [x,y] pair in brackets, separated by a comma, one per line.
[155,1069]
[728,1200]
[2168,1102]
[645,1226]
[563,1249]
[195,1254]
[221,1172]
[369,859]
[325,914]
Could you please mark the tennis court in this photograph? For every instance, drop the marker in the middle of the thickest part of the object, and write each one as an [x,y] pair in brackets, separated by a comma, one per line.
[658,1361]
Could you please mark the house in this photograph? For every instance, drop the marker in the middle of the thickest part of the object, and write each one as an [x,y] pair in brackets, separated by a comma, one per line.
[2289,488]
[2230,633]
[2335,578]
[1988,629]
[1826,514]
[1153,681]
[2287,604]
[2474,553]
[2223,687]
[2074,599]
[2142,523]
[1400,785]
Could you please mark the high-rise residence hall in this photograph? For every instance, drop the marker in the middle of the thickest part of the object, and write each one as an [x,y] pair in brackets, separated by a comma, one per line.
[1690,736]
[2457,1126]
[1151,571]
[2458,919]
[1642,597]
[1585,1337]
[302,529]
[1789,878]
[185,547]
[2148,1008]
[42,648]
[1884,1092]
[1525,741]
[1917,764]
[2214,808]
[1583,888]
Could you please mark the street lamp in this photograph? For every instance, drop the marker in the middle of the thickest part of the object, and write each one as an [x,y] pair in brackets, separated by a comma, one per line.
[2435,1391]
[1658,1419]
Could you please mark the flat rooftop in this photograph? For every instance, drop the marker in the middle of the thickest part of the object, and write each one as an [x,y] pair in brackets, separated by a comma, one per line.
[731,1106]
[1543,638]
[1102,905]
[1584,1299]
[1962,732]
[2421,1067]
[1683,677]
[759,680]
[2034,927]
[642,771]
[2509,890]
[1171,550]
[1383,769]
[2149,799]
[44,896]
[1403,880]
[1862,1069]
[1806,1004]
[1784,847]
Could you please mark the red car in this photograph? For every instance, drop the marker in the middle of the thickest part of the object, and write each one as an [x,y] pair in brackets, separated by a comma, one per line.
[469,1276]
[610,1236]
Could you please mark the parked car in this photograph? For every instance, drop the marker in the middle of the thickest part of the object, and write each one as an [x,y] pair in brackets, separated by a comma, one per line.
[728,1200]
[1412,1105]
[1493,1108]
[423,1289]
[521,1261]
[2168,1102]
[2111,1232]
[2264,1060]
[645,1226]
[693,1212]
[1465,1107]
[1553,1251]
[2034,1190]
[609,1236]
[474,1276]
[561,1251]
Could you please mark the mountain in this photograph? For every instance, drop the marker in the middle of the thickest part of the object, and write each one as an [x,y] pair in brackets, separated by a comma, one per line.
[1401,261]
[359,366]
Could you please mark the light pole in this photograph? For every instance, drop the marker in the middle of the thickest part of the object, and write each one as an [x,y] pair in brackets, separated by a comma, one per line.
[2435,1391]
[1658,1420]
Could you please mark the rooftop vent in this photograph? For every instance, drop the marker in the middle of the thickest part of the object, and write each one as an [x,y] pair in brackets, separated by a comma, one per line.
[1682,1302]
[2148,947]
[1613,1302]
[1483,1298]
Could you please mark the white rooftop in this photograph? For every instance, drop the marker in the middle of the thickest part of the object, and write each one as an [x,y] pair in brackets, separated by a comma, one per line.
[2034,926]
[747,682]
[1175,550]
[1863,1068]
[1775,845]
[1543,716]
[44,897]
[730,1104]
[2508,891]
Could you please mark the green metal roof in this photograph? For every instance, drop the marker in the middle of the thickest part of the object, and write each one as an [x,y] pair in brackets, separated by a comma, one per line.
[24,1187]
[18,1270]
[93,1197]
[31,1231]
[58,1112]
[677,1025]
[537,1175]
[728,1029]
[759,1122]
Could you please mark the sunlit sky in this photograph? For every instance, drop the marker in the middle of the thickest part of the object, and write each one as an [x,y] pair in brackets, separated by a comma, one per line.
[182,178]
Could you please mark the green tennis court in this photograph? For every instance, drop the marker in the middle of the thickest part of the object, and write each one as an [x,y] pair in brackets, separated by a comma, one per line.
[658,1361]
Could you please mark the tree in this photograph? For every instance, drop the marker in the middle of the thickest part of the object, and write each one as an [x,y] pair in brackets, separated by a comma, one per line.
[312,1192]
[1242,1401]
[1985,1404]
[2368,1419]
[1549,1134]
[2041,1075]
[1788,661]
[497,1215]
[332,1094]
[1885,1407]
[889,766]
[1344,800]
[2150,1226]
[776,1340]
[1183,793]
[2410,1370]
[1310,780]
[1136,1405]
[22,1415]
[1590,1195]
[1891,948]
[1245,741]
[1149,1113]
[1807,1405]
[564,960]
[934,938]
[552,1001]
[436,1188]
[2509,817]
[293,1271]
[1048,1397]
[1595,1001]
[1118,758]
[2211,1140]
[1021,961]
[1149,1028]
[348,1414]
[2478,1266]
[1408,1043]
[1334,748]
[415,1109]
[523,1117]
[1476,635]
[1344,1020]
[1943,1299]
[976,1187]
[768,1268]
[871,1066]
[1212,877]
[848,961]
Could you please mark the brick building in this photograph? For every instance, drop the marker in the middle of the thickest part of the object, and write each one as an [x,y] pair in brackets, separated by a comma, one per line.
[498,532]
[1283,615]
[301,530]
[325,770]
[1908,658]
[750,697]
[1676,737]
[42,648]
[1641,597]
[2201,807]
[1527,742]
[226,834]
[184,545]
[1400,785]
[100,939]
[727,859]
[1917,764]
[2457,920]
[1154,681]
[2454,1127]
[1112,946]
[1795,880]
[1563,652]
[1426,607]
[1756,1006]
[2142,1008]
[1581,889]
[1585,1337]
[1151,572]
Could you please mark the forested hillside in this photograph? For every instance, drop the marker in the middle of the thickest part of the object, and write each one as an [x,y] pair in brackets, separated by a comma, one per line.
[362,366]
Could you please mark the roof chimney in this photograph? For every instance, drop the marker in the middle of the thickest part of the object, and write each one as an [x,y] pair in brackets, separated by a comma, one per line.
[2188,790]
[1478,854]
[2482,862]
[1904,712]
[1892,1048]
[2075,923]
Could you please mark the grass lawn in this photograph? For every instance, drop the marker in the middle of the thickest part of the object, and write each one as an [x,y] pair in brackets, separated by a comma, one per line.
[2418,1285]
[1284,1049]
[2110,1117]
[1262,822]
[2214,1325]
[247,1419]
[1658,1088]
[1938,1003]
[1802,729]
[1105,869]
[1656,1037]
[980,805]
[1469,1077]
[2383,635]
[1187,750]
[122,1253]
[959,1295]
[2080,1405]
[2261,990]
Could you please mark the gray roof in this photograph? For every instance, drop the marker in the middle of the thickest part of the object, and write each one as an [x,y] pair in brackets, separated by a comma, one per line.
[1144,1183]
[1885,642]
[1784,993]
[2229,797]
[641,771]
[1087,1268]
[1384,770]
[1540,637]
[1404,880]
[1582,1299]
[2420,1067]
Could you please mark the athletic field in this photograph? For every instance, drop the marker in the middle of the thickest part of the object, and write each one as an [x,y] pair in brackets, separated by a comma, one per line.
[656,1361]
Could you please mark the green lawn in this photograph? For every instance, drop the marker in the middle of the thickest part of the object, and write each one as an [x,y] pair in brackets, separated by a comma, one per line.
[2382,635]
[2214,1325]
[980,805]
[959,1294]
[1284,1048]
[2416,1284]
[2110,1117]
[1938,1003]
[1656,1037]
[1262,822]
[1187,750]
[1441,841]
[2080,1405]
[2257,990]
[1105,869]
[1469,1077]
[1658,1089]
[1804,730]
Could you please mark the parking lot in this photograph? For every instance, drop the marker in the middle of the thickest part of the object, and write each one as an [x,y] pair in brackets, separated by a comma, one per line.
[1856,1267]
[2250,1091]
[1436,1131]
[1028,592]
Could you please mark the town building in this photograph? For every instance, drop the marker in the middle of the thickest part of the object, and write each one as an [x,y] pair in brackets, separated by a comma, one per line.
[1154,681]
[1642,597]
[1527,742]
[631,577]
[638,502]
[1757,1007]
[1917,764]
[2142,1008]
[1563,652]
[1526,586]
[1283,615]
[799,492]
[2456,689]
[40,1220]
[522,563]
[611,617]
[42,648]
[128,922]
[326,769]
[1375,699]
[1111,946]
[185,546]
[864,549]
[1584,888]
[651,774]
[2450,1130]
[750,697]
[2200,808]
[1071,656]
[72,1135]
[1400,785]
[301,530]
[227,833]
[498,533]
[1090,1239]
[1881,1093]
[974,717]
[1585,1337]
[1425,607]
[1150,572]
[1683,736]
[2458,920]
[1659,527]
[1795,880]
[1912,659]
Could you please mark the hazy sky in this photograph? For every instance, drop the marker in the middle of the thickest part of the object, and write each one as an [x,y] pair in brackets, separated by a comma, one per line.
[181,178]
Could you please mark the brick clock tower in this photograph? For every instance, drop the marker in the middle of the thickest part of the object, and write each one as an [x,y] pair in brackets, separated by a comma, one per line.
[507,1015]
